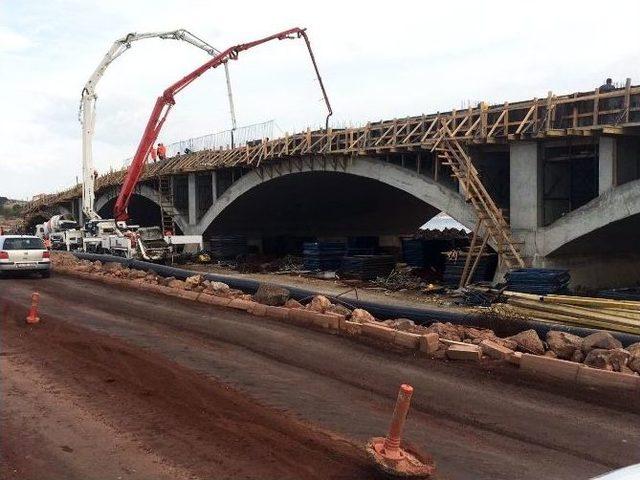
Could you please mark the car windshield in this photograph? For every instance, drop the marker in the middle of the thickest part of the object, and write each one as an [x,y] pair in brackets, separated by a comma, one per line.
[29,243]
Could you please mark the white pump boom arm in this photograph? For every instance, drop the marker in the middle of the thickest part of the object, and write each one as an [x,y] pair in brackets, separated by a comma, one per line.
[87,113]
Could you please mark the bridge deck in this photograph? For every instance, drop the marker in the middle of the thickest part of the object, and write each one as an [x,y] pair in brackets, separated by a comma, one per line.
[577,114]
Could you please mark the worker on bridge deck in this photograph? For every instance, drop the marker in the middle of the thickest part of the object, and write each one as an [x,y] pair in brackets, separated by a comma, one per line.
[608,86]
[162,151]
[154,155]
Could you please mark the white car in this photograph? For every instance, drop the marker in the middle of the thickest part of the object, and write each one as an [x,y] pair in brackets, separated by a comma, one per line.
[24,253]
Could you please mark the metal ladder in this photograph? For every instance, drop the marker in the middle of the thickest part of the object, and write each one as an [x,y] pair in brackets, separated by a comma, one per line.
[165,200]
[491,224]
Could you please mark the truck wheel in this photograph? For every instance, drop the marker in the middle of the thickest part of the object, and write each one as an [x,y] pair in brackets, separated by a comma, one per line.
[46,274]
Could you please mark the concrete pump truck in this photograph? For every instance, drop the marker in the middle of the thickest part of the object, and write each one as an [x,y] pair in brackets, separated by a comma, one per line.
[108,235]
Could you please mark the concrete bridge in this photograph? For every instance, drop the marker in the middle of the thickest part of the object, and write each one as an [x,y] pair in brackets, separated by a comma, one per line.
[565,170]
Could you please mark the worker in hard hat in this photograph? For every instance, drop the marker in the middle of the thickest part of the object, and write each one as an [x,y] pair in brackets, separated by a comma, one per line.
[162,151]
[154,154]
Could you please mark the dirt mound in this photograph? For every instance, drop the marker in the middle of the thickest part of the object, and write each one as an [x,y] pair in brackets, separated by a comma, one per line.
[196,423]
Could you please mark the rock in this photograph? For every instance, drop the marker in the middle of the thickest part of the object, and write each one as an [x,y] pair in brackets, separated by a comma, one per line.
[137,274]
[550,354]
[529,342]
[319,304]
[291,303]
[124,273]
[338,310]
[445,330]
[177,284]
[627,370]
[563,344]
[194,280]
[362,316]
[600,340]
[577,356]
[429,343]
[494,350]
[464,352]
[400,324]
[478,334]
[272,295]
[613,360]
[219,287]
[634,357]
[404,324]
[165,281]
[505,342]
[112,266]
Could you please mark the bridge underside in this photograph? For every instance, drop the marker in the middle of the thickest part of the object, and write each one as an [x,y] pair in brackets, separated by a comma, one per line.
[323,204]
[142,211]
[608,257]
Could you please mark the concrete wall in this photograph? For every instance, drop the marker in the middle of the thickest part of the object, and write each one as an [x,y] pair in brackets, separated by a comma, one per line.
[597,271]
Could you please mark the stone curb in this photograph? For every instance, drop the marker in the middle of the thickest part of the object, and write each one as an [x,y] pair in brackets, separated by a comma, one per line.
[579,374]
[552,369]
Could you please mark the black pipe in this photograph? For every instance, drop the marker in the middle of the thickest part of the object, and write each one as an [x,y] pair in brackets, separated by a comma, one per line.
[420,315]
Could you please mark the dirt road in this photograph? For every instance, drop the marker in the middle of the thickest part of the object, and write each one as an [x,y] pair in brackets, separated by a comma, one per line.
[120,384]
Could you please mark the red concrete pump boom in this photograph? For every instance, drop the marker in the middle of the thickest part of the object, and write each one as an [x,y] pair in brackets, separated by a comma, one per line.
[166,101]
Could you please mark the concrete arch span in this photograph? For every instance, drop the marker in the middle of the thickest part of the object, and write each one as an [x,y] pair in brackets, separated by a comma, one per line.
[613,217]
[358,189]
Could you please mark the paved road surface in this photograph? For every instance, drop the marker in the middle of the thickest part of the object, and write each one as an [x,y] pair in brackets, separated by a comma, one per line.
[328,393]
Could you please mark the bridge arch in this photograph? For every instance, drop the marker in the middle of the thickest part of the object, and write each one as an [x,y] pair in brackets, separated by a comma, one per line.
[614,211]
[105,201]
[418,188]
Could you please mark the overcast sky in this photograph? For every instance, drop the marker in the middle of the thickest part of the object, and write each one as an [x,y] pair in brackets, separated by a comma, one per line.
[379,60]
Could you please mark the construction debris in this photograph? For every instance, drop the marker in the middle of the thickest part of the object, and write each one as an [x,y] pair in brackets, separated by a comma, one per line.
[400,278]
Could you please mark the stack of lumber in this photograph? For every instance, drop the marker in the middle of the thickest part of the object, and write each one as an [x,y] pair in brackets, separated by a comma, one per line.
[590,312]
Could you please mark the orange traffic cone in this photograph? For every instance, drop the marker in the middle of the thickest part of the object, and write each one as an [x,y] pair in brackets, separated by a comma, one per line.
[33,311]
[386,452]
